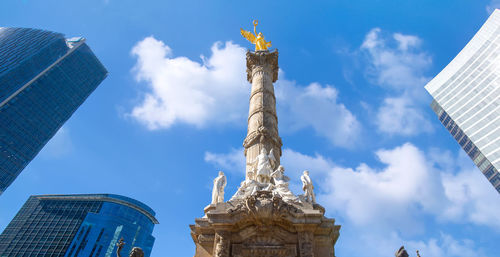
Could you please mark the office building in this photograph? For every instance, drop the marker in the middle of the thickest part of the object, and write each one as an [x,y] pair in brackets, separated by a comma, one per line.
[87,225]
[44,78]
[467,98]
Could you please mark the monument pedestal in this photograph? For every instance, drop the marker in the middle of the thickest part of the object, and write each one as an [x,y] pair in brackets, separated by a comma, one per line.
[264,225]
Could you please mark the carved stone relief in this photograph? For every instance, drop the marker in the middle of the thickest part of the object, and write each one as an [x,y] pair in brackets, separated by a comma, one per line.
[306,244]
[222,244]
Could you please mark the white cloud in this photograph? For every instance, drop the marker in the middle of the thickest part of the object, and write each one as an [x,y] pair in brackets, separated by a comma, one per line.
[399,115]
[234,161]
[296,162]
[472,196]
[406,42]
[386,244]
[216,92]
[398,67]
[410,185]
[445,245]
[391,197]
[317,107]
[494,4]
[398,64]
[182,90]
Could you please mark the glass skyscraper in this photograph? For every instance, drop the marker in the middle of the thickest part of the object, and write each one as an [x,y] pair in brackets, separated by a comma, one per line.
[467,98]
[87,225]
[44,78]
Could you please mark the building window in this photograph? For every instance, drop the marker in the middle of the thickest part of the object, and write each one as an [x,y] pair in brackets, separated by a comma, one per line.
[489,172]
[479,159]
[99,251]
[450,125]
[443,116]
[495,179]
[454,130]
[445,122]
[464,140]
[473,152]
[93,249]
[72,249]
[468,147]
[100,235]
[484,166]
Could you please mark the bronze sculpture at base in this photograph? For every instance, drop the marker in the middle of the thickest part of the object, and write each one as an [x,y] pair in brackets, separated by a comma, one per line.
[135,252]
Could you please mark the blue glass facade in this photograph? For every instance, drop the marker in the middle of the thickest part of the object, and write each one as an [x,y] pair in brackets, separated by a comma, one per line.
[78,225]
[44,78]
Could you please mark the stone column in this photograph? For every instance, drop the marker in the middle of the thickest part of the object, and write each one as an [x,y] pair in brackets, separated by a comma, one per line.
[262,72]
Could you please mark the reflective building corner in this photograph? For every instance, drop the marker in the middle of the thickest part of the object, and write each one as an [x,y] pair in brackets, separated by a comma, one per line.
[467,98]
[78,225]
[44,78]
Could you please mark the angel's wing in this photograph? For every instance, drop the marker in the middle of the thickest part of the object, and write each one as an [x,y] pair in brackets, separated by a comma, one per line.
[248,35]
[268,44]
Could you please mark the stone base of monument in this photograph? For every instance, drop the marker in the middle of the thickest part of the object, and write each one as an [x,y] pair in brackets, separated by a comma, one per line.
[264,225]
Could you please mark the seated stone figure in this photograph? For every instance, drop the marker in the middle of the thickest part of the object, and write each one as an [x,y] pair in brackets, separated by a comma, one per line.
[249,186]
[280,182]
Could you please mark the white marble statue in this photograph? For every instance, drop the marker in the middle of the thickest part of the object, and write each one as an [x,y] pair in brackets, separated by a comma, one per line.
[249,186]
[265,163]
[308,187]
[218,190]
[251,174]
[281,184]
[279,176]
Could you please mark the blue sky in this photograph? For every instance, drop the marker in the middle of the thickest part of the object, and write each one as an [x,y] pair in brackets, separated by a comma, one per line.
[351,104]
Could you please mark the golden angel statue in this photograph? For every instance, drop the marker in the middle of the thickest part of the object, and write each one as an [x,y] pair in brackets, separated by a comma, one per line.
[257,39]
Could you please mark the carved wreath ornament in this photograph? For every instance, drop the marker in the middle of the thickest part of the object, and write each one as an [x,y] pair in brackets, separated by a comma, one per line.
[263,208]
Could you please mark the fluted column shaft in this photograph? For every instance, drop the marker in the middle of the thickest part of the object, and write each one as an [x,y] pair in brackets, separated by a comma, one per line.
[262,72]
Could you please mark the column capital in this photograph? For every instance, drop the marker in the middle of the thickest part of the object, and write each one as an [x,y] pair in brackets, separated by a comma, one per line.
[262,58]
